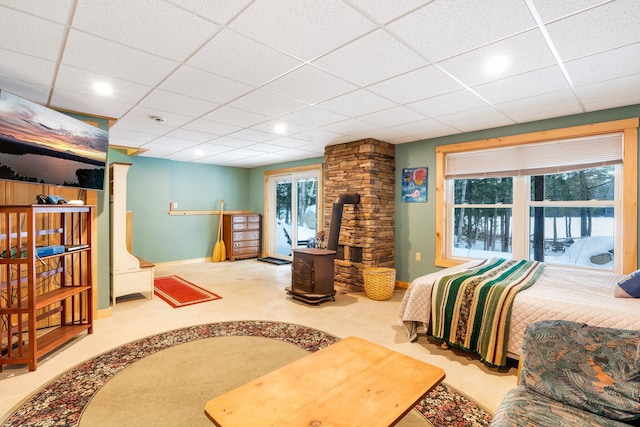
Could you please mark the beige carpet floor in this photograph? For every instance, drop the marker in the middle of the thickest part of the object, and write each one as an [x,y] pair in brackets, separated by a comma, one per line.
[254,290]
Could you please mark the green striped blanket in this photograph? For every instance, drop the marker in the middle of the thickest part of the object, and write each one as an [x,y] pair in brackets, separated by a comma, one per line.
[471,309]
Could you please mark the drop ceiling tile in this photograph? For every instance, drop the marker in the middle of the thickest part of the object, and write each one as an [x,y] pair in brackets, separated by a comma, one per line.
[370,59]
[525,52]
[220,11]
[208,149]
[382,134]
[318,135]
[553,104]
[425,129]
[384,11]
[266,103]
[239,58]
[305,30]
[449,103]
[191,135]
[314,147]
[357,103]
[176,144]
[161,32]
[77,80]
[550,10]
[256,161]
[95,54]
[610,93]
[144,114]
[287,126]
[52,10]
[548,114]
[604,27]
[208,126]
[313,117]
[419,84]
[235,117]
[88,104]
[145,126]
[203,85]
[480,118]
[197,153]
[31,91]
[524,85]
[30,35]
[392,117]
[309,84]
[171,102]
[266,147]
[289,142]
[129,138]
[239,153]
[14,65]
[295,153]
[401,140]
[253,135]
[229,141]
[158,152]
[607,65]
[444,28]
[350,127]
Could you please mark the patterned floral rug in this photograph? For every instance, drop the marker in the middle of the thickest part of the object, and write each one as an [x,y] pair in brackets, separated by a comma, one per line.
[61,401]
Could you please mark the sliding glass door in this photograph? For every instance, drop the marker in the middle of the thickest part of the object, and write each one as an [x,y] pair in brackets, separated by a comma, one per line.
[292,214]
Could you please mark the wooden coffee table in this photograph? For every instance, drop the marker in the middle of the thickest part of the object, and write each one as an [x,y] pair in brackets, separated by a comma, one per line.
[351,383]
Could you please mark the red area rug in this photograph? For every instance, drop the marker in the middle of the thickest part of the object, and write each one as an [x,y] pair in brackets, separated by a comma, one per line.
[177,292]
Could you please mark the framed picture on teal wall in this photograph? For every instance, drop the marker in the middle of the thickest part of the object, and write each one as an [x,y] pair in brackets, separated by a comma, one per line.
[414,184]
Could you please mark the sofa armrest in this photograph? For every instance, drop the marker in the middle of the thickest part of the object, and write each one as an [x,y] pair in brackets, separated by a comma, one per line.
[591,368]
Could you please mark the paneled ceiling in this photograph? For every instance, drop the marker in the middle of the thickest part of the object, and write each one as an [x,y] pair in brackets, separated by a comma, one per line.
[247,83]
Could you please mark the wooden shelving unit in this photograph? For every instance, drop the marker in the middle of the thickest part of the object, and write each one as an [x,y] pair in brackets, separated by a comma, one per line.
[45,301]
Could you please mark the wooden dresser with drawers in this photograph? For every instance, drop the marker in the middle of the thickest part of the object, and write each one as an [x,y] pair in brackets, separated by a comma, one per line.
[242,235]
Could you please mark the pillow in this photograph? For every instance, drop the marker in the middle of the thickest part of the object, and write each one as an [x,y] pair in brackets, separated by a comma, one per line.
[629,286]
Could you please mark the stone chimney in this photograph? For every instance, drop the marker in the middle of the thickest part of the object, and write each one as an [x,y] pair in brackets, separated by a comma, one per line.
[367,233]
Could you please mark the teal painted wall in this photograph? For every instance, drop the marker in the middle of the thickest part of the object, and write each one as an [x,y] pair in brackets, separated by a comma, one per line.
[415,222]
[153,183]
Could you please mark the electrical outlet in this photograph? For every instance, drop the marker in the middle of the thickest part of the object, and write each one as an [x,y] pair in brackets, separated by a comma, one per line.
[418,256]
[174,205]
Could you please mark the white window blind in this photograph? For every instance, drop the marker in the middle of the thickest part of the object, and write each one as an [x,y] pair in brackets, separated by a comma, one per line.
[537,158]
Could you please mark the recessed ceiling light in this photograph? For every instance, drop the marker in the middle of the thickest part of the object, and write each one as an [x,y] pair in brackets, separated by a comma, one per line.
[102,88]
[280,128]
[497,64]
[198,152]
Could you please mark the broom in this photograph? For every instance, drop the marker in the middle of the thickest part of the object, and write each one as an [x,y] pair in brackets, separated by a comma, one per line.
[219,250]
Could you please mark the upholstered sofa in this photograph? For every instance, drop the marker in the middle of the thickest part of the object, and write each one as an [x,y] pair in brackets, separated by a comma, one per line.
[572,374]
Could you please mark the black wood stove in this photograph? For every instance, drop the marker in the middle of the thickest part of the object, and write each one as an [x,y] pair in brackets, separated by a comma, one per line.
[312,268]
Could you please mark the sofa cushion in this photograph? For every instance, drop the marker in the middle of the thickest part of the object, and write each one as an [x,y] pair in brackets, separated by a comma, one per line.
[523,408]
[591,368]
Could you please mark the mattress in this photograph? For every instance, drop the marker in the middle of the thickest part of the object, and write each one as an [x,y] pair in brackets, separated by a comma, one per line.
[559,294]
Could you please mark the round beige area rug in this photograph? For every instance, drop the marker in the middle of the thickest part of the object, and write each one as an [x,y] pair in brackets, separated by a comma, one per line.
[172,386]
[167,379]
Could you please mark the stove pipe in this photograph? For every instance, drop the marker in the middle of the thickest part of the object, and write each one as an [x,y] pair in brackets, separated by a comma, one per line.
[336,217]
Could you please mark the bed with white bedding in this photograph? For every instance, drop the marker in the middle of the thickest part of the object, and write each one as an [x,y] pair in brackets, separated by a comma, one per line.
[558,294]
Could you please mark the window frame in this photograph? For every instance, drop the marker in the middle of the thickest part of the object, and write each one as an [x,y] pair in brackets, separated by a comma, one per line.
[628,193]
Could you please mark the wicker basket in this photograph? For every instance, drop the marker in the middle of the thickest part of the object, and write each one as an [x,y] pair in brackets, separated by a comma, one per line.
[379,282]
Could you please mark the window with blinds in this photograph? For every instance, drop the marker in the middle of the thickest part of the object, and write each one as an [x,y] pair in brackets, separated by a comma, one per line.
[555,199]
